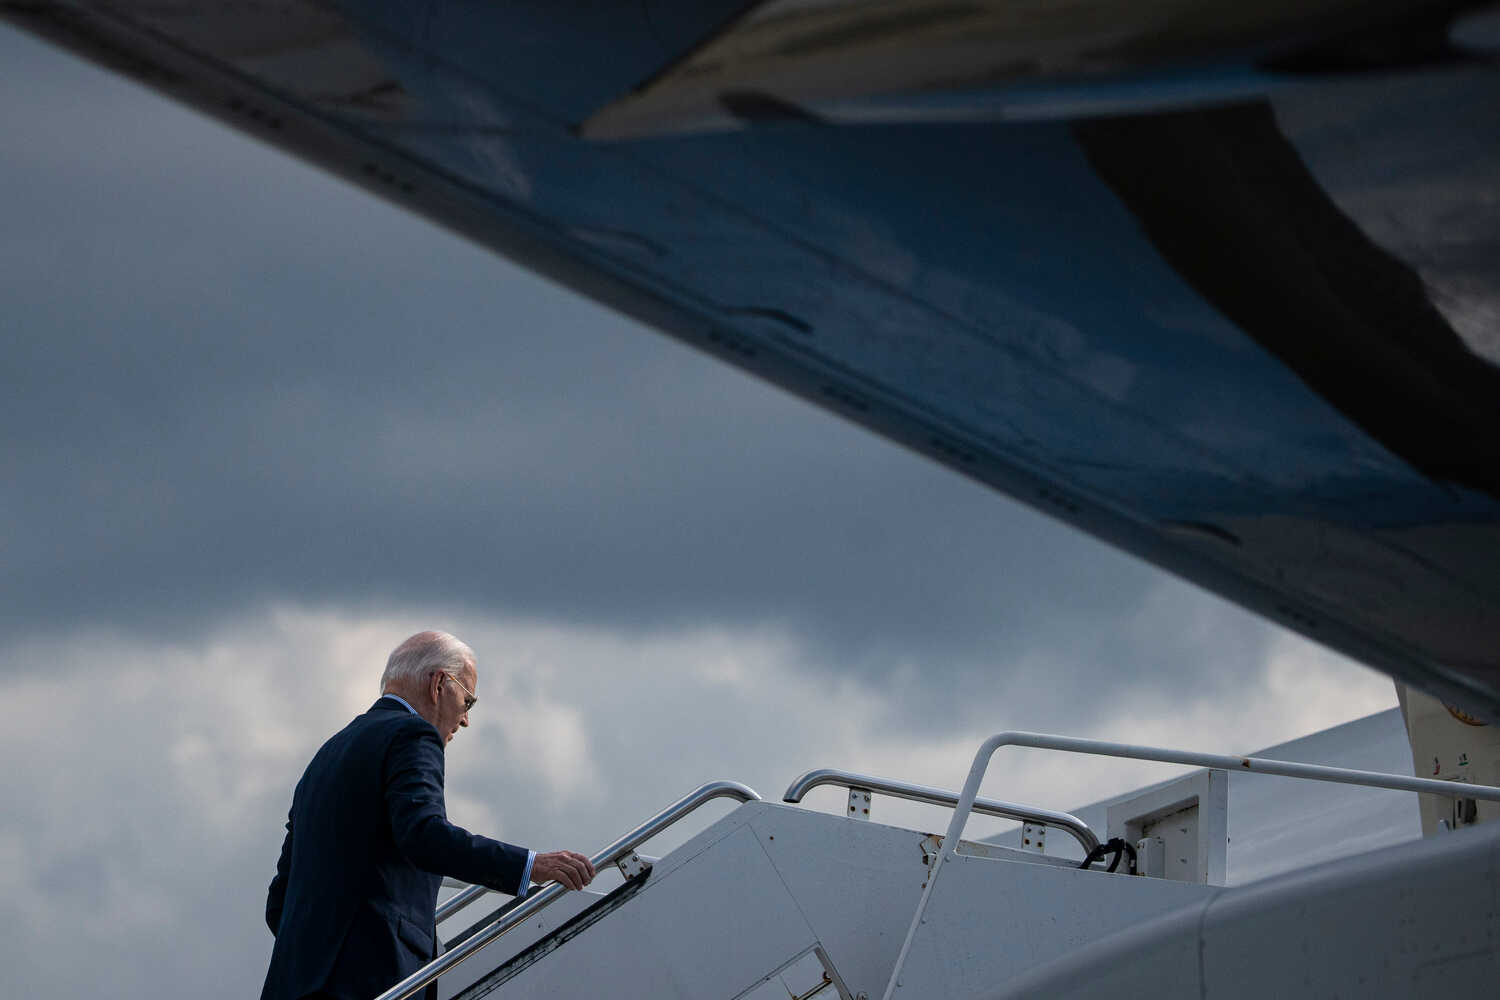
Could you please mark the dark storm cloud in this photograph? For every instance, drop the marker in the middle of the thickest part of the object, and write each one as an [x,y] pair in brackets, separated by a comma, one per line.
[137,852]
[256,427]
[229,379]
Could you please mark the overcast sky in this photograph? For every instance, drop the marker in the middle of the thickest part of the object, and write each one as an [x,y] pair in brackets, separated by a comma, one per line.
[258,428]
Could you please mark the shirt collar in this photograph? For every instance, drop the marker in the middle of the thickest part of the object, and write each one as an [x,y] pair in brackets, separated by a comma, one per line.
[403,701]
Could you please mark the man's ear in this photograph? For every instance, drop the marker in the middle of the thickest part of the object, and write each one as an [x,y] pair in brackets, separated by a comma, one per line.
[434,685]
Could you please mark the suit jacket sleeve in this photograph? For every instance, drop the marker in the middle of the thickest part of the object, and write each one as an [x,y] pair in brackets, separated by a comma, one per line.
[419,819]
[276,895]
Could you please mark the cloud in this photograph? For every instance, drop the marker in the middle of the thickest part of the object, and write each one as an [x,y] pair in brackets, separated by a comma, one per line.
[259,427]
[145,825]
[234,381]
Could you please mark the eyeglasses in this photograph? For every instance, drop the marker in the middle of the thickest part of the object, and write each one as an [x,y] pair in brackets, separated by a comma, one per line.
[470,698]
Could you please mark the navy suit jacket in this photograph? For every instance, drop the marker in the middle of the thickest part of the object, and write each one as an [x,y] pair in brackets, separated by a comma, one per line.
[367,843]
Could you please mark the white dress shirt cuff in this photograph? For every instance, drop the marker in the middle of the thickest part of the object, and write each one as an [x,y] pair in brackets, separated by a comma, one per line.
[526,875]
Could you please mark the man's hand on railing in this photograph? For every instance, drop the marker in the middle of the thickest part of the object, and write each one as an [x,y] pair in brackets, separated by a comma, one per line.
[571,869]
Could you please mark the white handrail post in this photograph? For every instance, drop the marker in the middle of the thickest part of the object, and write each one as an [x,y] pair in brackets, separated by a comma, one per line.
[956,825]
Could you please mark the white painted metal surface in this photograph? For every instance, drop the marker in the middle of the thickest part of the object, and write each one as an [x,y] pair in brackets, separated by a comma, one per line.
[1276,826]
[1289,769]
[537,901]
[713,919]
[1450,744]
[1419,920]
[1190,819]
[1151,856]
[515,940]
[988,921]
[714,926]
[774,902]
[732,911]
[809,975]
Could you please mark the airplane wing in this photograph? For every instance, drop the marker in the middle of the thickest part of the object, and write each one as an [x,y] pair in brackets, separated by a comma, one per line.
[1217,283]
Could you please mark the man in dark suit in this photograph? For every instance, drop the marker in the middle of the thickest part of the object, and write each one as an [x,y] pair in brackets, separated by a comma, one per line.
[368,840]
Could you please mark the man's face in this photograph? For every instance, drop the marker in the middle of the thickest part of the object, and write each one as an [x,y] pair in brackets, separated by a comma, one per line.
[451,713]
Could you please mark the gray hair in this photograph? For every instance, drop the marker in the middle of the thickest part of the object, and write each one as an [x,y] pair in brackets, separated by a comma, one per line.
[411,661]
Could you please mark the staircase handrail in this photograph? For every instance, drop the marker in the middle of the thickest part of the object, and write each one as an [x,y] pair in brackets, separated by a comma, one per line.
[941,797]
[539,899]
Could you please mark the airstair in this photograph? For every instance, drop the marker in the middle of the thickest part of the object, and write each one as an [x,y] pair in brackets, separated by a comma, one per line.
[776,901]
